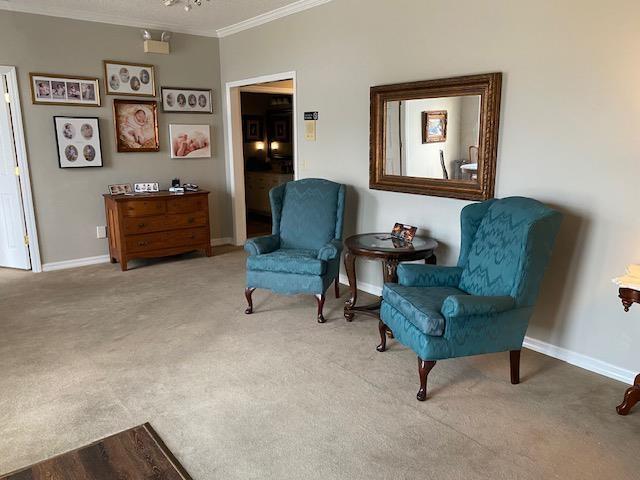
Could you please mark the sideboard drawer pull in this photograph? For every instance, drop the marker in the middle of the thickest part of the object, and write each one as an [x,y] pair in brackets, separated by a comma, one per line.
[143,243]
[141,225]
[191,220]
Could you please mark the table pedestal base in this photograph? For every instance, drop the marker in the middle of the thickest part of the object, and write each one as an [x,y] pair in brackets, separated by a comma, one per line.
[631,397]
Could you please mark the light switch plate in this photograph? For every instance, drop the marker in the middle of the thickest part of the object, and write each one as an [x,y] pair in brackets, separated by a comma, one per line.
[101,231]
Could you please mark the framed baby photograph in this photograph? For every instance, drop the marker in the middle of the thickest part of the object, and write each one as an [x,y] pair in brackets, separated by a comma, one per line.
[136,125]
[78,142]
[122,78]
[51,89]
[190,141]
[120,189]
[186,100]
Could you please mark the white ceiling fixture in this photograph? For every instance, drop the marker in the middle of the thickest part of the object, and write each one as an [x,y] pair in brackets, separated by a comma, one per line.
[215,18]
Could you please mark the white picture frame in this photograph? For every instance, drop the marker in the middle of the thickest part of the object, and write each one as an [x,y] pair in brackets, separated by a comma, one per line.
[190,141]
[133,79]
[146,187]
[78,141]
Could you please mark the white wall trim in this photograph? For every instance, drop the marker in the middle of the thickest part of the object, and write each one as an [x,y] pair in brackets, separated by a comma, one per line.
[267,17]
[560,353]
[76,262]
[231,123]
[129,21]
[580,360]
[83,262]
[23,165]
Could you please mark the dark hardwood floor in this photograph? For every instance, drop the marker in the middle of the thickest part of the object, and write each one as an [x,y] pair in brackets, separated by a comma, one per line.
[137,453]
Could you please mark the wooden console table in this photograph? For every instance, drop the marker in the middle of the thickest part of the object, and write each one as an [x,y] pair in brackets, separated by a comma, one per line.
[632,395]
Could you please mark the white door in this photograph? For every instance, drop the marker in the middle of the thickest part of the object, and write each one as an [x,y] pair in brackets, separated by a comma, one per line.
[14,251]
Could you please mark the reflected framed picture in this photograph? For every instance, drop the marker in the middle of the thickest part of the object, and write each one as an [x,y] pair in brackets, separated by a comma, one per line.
[78,142]
[136,125]
[186,100]
[434,126]
[190,141]
[51,89]
[136,79]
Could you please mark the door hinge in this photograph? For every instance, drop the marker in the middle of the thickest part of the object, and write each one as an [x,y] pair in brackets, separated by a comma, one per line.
[7,97]
[26,239]
[17,170]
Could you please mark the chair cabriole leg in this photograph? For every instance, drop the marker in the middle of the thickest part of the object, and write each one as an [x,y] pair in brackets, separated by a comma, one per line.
[247,293]
[514,357]
[424,367]
[382,328]
[320,299]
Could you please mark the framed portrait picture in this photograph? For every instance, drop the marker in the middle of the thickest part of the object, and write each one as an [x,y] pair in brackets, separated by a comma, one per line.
[120,189]
[78,142]
[136,125]
[146,187]
[50,89]
[186,100]
[190,141]
[434,126]
[253,128]
[279,125]
[122,78]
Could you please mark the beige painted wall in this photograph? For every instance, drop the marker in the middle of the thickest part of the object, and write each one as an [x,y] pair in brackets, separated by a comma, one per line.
[68,202]
[569,131]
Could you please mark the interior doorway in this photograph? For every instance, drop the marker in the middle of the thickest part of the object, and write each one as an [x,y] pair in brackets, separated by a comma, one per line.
[262,148]
[18,236]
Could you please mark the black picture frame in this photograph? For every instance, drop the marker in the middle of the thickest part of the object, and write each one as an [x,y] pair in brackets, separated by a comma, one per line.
[253,128]
[187,93]
[78,140]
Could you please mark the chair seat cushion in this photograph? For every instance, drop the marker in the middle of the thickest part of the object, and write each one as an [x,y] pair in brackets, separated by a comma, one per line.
[288,260]
[420,305]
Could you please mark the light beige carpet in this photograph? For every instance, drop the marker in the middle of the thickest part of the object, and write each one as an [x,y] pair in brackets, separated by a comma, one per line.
[92,351]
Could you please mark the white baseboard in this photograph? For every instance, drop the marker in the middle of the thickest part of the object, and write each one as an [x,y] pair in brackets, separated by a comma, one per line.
[560,353]
[83,262]
[580,360]
[73,263]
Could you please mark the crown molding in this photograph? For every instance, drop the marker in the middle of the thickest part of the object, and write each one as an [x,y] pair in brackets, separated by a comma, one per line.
[267,17]
[127,21]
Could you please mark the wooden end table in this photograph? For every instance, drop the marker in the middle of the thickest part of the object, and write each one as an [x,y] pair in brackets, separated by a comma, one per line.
[390,252]
[629,296]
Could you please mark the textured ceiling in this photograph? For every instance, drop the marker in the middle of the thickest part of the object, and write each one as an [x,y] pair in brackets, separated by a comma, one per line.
[204,20]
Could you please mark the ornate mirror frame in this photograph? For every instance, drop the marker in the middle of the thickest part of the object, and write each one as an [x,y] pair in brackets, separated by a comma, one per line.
[488,86]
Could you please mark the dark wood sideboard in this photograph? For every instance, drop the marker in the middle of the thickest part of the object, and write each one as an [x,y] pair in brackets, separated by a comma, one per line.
[156,225]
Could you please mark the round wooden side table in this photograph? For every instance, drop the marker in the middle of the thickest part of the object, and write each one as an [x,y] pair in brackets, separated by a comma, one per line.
[390,252]
[629,296]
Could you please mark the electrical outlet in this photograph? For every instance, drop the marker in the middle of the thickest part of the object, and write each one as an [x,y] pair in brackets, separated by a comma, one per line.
[101,231]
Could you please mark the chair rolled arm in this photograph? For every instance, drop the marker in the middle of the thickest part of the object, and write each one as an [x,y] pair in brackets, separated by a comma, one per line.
[469,305]
[331,250]
[416,275]
[266,244]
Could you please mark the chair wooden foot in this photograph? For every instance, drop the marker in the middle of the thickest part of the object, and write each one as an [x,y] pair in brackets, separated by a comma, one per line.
[424,367]
[631,397]
[336,287]
[382,328]
[247,293]
[514,357]
[320,299]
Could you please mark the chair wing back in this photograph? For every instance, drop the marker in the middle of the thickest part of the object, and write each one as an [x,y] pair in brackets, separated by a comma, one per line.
[307,213]
[506,246]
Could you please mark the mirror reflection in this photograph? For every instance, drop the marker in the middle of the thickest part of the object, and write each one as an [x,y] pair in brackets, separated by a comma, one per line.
[433,137]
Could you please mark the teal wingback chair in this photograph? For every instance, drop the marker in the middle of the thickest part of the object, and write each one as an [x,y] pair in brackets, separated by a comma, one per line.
[483,304]
[302,254]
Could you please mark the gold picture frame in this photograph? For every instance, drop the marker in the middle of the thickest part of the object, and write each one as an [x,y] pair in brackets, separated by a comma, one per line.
[128,79]
[134,130]
[68,90]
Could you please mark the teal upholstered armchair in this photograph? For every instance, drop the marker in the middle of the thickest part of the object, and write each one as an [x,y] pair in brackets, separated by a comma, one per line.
[483,304]
[302,255]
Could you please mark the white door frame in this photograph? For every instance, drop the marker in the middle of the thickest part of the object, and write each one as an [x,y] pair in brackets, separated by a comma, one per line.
[235,168]
[23,165]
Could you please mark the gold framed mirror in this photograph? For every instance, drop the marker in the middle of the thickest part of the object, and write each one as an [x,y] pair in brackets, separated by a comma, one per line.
[436,137]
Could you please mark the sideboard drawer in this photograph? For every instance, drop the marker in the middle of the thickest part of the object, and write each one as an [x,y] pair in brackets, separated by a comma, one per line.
[182,220]
[143,243]
[137,225]
[140,208]
[186,204]
[192,236]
